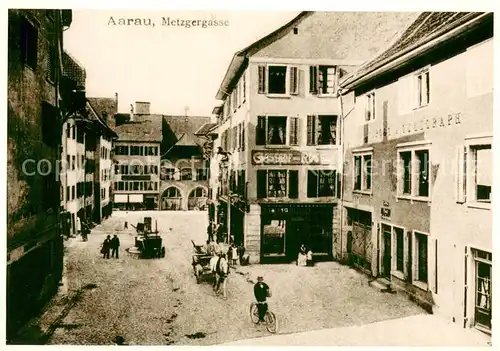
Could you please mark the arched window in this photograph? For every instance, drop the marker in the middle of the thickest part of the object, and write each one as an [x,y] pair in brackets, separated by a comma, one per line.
[172,192]
[198,192]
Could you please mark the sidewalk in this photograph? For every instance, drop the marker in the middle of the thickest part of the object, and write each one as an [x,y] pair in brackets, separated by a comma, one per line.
[419,330]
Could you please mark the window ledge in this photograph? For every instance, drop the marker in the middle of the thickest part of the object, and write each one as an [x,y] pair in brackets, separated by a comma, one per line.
[420,285]
[277,146]
[414,198]
[398,274]
[327,147]
[362,192]
[479,205]
[421,107]
[332,95]
[282,96]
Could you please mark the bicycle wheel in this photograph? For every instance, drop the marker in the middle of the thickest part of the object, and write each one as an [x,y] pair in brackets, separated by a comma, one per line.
[271,322]
[254,313]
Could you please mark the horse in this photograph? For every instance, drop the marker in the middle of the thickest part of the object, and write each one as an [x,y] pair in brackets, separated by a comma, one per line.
[220,270]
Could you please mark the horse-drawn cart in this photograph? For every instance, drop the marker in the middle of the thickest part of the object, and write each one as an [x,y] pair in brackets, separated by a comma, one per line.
[201,263]
[149,242]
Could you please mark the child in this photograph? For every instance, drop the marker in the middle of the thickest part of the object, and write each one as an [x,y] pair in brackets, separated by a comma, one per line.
[234,255]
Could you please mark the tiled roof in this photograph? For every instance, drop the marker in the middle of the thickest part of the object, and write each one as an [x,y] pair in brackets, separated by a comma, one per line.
[425,26]
[73,70]
[146,128]
[351,36]
[185,127]
[105,107]
[204,129]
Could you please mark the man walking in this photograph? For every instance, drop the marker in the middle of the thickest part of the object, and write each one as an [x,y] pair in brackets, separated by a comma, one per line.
[105,247]
[115,245]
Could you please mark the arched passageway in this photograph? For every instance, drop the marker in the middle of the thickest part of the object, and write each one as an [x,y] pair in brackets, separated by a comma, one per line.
[171,199]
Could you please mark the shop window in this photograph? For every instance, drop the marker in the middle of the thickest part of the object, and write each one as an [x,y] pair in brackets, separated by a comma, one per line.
[321,183]
[273,241]
[414,173]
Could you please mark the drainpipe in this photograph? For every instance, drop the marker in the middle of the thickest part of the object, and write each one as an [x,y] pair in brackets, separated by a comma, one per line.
[342,141]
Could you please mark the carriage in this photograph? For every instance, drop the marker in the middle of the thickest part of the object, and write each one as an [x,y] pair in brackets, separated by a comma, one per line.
[201,263]
[149,242]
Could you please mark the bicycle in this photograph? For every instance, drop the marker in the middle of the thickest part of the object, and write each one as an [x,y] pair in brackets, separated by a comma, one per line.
[269,318]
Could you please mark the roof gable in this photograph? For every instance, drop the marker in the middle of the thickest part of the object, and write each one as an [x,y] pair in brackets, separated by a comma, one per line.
[427,26]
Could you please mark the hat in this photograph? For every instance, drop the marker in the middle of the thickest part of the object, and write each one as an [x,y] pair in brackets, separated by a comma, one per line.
[260,278]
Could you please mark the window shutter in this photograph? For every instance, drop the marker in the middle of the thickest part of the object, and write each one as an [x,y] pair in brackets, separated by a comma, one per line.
[293,180]
[260,133]
[294,131]
[311,129]
[312,184]
[261,184]
[408,257]
[313,79]
[242,137]
[461,175]
[294,81]
[432,264]
[244,87]
[262,79]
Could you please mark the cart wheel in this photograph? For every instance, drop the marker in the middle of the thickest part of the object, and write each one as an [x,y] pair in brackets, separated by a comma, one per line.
[163,252]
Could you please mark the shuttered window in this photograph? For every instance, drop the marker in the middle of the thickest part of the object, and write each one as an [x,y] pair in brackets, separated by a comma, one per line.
[261,184]
[313,79]
[294,81]
[294,131]
[293,188]
[260,133]
[262,79]
[311,130]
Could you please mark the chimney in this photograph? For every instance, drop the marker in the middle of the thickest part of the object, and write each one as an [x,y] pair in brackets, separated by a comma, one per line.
[142,108]
[131,113]
[116,102]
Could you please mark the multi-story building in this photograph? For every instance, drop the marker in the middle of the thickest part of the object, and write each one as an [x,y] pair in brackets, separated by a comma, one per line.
[34,243]
[74,179]
[278,133]
[137,160]
[184,170]
[417,185]
[104,109]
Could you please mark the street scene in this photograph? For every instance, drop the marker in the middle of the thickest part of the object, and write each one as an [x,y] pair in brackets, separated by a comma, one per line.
[321,178]
[158,302]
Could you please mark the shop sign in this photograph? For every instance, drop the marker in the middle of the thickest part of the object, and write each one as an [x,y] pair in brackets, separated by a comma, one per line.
[281,157]
[418,126]
[385,213]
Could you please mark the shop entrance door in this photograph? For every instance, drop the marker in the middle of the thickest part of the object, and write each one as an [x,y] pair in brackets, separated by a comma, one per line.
[386,254]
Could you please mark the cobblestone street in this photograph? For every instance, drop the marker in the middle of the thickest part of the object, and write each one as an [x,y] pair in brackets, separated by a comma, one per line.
[158,302]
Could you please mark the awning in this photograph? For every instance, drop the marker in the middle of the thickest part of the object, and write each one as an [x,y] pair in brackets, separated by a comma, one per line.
[121,198]
[136,198]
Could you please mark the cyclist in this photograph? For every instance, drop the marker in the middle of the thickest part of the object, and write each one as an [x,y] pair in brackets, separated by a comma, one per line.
[261,291]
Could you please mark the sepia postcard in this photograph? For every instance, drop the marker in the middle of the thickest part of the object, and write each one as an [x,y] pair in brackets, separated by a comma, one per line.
[250,178]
